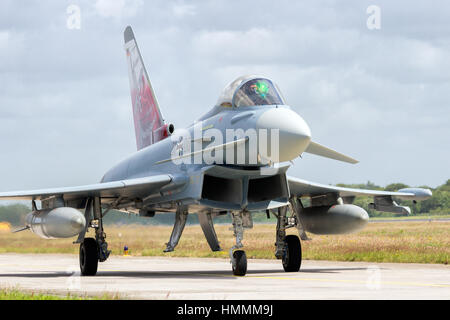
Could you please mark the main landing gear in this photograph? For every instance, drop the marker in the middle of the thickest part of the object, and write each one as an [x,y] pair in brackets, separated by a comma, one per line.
[288,248]
[239,262]
[93,250]
[88,257]
[292,257]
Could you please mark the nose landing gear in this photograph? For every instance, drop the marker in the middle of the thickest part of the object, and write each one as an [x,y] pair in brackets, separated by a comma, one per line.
[238,256]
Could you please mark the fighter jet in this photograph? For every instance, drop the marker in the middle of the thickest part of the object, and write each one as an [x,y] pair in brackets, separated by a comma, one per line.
[232,161]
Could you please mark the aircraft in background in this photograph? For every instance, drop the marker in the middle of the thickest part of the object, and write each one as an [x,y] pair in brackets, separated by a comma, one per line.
[233,160]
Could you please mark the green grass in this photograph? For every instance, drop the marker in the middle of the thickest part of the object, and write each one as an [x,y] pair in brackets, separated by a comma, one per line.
[432,217]
[411,241]
[17,294]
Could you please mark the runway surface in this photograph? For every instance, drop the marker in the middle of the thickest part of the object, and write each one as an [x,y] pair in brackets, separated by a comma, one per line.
[192,278]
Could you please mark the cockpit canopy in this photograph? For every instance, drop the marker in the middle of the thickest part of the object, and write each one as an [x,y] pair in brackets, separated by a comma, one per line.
[248,91]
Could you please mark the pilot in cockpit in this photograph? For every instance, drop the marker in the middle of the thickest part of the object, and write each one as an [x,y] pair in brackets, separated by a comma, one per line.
[249,91]
[257,92]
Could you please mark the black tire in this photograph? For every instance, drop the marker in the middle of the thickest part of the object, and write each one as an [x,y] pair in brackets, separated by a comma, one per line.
[88,257]
[240,266]
[292,258]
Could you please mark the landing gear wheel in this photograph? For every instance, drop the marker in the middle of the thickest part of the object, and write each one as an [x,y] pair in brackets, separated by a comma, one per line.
[88,257]
[292,258]
[240,263]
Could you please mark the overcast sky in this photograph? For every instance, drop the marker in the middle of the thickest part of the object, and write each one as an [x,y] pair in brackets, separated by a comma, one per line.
[380,95]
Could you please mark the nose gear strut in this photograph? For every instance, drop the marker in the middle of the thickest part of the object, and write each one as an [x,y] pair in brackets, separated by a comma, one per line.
[238,256]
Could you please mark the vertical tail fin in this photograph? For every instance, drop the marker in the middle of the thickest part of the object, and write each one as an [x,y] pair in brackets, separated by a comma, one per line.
[148,121]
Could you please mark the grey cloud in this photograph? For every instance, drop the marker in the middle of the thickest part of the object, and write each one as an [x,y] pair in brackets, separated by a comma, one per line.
[381,96]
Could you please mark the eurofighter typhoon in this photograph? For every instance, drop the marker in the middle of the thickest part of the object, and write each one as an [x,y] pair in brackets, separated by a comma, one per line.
[232,161]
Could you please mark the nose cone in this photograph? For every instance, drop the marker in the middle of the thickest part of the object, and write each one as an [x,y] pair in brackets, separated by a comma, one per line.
[294,133]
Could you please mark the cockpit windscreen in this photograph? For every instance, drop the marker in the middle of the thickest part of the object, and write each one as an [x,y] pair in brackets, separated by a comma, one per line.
[257,92]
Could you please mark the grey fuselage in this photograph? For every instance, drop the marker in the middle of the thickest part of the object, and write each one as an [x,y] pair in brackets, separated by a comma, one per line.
[226,187]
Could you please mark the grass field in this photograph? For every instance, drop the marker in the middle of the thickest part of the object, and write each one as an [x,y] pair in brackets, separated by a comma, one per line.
[408,218]
[419,242]
[17,294]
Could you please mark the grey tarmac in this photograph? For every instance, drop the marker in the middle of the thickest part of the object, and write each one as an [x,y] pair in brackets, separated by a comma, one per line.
[210,278]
